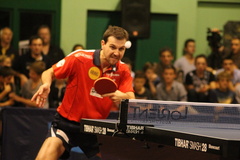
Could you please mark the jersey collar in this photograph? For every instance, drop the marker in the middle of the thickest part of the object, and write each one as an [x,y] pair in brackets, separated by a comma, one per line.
[96,60]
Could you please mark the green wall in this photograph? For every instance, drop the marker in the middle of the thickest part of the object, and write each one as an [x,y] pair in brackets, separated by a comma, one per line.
[193,18]
[213,15]
[74,18]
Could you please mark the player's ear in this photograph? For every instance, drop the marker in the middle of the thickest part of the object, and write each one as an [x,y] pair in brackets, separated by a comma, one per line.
[102,43]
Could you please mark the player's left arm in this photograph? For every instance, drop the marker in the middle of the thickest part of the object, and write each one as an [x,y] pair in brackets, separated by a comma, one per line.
[125,89]
[117,96]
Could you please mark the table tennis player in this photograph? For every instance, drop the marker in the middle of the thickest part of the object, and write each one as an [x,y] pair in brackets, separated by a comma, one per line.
[82,68]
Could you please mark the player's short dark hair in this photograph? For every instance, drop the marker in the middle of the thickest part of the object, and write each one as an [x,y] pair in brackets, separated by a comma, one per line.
[115,31]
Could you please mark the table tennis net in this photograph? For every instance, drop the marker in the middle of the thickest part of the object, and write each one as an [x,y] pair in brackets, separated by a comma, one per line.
[184,113]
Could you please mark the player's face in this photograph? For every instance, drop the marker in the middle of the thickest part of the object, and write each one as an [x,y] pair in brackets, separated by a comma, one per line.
[44,33]
[235,44]
[113,50]
[201,64]
[190,48]
[36,46]
[169,75]
[166,58]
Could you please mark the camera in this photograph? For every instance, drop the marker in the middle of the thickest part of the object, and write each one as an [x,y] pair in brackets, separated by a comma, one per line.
[214,39]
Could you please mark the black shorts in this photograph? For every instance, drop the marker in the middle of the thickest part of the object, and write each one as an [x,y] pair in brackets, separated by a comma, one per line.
[69,133]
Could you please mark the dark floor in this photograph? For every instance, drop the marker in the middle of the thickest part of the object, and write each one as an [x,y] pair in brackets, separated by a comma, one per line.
[115,148]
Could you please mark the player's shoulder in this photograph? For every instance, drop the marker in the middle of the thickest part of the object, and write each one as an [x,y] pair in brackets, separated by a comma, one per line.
[82,54]
[123,66]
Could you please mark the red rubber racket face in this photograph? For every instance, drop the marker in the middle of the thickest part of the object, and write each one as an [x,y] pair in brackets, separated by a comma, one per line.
[105,85]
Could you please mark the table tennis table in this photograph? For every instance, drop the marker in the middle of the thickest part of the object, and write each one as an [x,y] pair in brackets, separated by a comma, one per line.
[220,137]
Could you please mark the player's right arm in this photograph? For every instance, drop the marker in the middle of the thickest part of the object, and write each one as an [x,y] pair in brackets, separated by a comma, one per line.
[40,97]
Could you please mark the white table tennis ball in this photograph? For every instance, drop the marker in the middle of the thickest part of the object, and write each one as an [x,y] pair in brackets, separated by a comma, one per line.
[128,44]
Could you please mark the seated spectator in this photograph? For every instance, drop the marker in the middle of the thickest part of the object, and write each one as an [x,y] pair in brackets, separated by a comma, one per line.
[237,91]
[6,47]
[129,63]
[199,81]
[228,66]
[235,51]
[35,54]
[169,89]
[152,78]
[31,86]
[165,59]
[77,47]
[185,64]
[223,94]
[6,86]
[54,52]
[141,92]
[5,61]
[18,79]
[56,94]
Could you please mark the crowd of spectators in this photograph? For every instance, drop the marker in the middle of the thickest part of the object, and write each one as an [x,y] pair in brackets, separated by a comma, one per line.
[188,78]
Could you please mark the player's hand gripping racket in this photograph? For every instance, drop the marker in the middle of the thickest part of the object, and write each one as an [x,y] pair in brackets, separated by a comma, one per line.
[105,85]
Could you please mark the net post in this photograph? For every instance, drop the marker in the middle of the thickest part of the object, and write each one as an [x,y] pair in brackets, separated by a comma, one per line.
[123,115]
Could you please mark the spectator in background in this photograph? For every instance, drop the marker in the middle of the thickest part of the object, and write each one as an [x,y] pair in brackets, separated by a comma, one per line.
[152,78]
[35,54]
[31,86]
[5,61]
[237,91]
[19,79]
[57,92]
[185,64]
[141,92]
[165,59]
[129,63]
[235,51]
[77,46]
[55,53]
[6,48]
[169,89]
[228,66]
[6,86]
[223,94]
[199,81]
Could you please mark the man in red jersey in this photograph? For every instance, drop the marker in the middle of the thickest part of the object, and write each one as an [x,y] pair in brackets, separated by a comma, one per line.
[82,68]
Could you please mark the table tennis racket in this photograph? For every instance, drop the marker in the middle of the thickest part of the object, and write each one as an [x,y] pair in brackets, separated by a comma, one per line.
[105,85]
